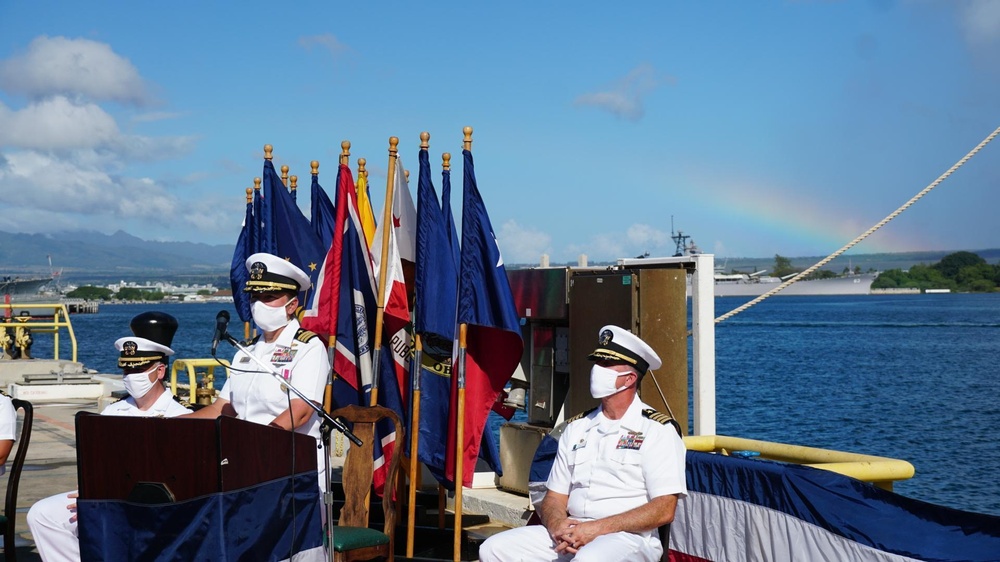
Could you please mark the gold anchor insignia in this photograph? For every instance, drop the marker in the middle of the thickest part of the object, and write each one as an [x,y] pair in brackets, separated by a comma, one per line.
[129,348]
[257,271]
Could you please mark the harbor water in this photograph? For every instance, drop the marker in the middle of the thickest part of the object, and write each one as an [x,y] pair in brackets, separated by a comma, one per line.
[914,377]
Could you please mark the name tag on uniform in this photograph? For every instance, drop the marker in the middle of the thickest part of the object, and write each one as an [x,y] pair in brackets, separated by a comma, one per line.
[631,440]
[282,355]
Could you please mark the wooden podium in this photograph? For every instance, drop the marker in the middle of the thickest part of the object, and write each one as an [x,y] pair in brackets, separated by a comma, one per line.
[190,457]
[193,489]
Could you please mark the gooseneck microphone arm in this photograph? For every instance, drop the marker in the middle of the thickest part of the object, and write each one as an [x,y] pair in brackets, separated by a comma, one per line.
[336,424]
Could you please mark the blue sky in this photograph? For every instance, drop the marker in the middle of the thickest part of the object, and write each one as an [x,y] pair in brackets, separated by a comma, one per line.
[760,127]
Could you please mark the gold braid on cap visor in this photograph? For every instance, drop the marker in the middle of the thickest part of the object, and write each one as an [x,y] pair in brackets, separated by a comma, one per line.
[261,286]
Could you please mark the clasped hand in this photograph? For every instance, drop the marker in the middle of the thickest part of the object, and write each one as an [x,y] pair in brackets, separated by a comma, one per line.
[571,535]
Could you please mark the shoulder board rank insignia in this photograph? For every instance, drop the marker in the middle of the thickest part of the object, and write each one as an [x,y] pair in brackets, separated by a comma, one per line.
[581,415]
[662,418]
[184,403]
[304,335]
[4,393]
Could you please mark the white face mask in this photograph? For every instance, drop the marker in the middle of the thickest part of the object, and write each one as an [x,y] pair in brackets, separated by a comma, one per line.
[602,381]
[269,318]
[138,384]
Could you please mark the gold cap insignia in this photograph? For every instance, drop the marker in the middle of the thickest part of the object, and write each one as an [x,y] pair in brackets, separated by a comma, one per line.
[129,348]
[605,337]
[257,270]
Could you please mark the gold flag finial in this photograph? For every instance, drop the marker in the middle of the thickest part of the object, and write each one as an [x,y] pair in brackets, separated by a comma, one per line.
[268,149]
[256,184]
[284,175]
[294,182]
[249,195]
[314,167]
[361,167]
[345,152]
[424,137]
[446,160]
[467,141]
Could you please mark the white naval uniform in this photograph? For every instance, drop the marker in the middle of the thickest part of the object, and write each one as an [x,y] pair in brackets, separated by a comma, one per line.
[257,396]
[606,467]
[8,424]
[56,537]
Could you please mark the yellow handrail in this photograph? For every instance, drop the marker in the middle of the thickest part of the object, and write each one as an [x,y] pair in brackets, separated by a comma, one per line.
[209,364]
[60,319]
[880,471]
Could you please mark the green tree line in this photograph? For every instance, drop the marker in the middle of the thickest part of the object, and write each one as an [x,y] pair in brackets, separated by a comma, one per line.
[126,294]
[959,272]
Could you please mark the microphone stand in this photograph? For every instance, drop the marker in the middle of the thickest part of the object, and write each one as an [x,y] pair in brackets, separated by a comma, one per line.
[269,369]
[330,420]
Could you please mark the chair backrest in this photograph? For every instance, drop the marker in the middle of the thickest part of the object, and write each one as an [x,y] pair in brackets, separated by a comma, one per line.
[14,475]
[359,465]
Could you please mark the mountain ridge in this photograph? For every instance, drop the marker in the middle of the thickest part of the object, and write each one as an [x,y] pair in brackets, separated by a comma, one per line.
[87,254]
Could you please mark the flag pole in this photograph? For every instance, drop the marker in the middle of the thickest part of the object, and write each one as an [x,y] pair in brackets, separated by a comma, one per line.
[383,269]
[415,416]
[250,194]
[442,499]
[459,442]
[463,329]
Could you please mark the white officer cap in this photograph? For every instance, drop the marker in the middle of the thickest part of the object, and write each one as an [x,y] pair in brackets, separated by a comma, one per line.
[139,352]
[269,273]
[618,344]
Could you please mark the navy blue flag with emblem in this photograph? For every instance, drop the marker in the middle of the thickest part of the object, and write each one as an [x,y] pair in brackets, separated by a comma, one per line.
[238,274]
[436,294]
[486,305]
[323,212]
[294,239]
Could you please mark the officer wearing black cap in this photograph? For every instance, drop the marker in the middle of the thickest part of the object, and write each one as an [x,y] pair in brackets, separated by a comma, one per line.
[618,473]
[299,355]
[143,359]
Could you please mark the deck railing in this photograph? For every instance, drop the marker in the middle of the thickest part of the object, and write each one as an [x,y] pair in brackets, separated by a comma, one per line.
[880,471]
[39,318]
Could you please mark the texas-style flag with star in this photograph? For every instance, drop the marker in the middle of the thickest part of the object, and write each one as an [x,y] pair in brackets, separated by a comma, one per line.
[293,238]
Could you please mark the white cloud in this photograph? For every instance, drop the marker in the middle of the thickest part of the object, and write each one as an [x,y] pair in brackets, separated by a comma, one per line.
[647,238]
[56,124]
[325,41]
[521,244]
[624,98]
[979,20]
[635,241]
[73,67]
[82,182]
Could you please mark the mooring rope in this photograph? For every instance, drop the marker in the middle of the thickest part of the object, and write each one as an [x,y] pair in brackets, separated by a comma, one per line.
[866,234]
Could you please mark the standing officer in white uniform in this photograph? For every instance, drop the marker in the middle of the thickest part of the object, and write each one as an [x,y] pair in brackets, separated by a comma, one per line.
[299,355]
[143,361]
[618,473]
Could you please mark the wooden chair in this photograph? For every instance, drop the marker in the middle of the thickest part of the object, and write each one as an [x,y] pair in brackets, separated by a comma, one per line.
[352,539]
[13,478]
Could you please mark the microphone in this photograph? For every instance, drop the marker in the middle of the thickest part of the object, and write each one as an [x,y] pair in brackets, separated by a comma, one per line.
[221,323]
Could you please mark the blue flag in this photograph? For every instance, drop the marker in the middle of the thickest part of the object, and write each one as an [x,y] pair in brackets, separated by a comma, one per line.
[323,212]
[293,237]
[486,305]
[238,274]
[436,294]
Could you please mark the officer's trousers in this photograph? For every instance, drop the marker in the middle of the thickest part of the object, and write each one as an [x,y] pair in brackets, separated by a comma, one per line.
[533,543]
[55,536]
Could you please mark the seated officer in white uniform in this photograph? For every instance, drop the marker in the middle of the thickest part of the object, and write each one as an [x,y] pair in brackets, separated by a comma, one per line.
[8,429]
[617,476]
[143,361]
[299,355]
